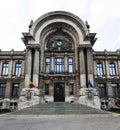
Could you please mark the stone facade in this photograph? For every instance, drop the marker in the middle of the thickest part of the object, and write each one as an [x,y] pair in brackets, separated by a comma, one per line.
[60,61]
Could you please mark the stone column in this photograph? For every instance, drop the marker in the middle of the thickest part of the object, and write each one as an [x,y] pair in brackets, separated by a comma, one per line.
[89,67]
[36,67]
[28,67]
[82,68]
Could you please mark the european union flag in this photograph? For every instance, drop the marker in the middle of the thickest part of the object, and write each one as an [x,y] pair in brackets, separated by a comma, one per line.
[90,84]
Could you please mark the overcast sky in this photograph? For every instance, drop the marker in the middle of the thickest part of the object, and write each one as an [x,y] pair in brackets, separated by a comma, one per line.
[102,15]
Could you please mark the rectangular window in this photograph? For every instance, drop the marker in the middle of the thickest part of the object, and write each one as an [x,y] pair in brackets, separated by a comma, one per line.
[112,69]
[70,65]
[5,69]
[71,91]
[46,89]
[102,90]
[59,65]
[2,90]
[100,69]
[115,90]
[47,65]
[18,69]
[15,90]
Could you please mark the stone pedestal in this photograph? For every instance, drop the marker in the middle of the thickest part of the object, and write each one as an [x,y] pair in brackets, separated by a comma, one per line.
[89,97]
[29,97]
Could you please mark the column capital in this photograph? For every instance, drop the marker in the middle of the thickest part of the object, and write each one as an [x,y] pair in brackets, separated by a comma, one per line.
[89,48]
[85,46]
[29,47]
[34,46]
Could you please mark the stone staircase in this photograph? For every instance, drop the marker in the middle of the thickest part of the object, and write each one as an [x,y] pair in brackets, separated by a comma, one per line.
[58,109]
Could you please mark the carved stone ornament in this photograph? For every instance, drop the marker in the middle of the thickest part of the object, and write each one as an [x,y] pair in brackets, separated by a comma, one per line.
[90,94]
[59,42]
[28,94]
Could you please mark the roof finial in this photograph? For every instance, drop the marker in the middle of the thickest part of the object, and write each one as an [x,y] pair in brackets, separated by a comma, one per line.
[30,25]
[87,25]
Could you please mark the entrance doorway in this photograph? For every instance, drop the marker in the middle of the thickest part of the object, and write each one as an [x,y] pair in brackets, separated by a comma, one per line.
[59,92]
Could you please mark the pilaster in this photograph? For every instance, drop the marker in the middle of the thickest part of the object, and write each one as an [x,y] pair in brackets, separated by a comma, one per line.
[10,68]
[66,87]
[109,90]
[8,89]
[106,68]
[51,89]
[66,69]
[52,62]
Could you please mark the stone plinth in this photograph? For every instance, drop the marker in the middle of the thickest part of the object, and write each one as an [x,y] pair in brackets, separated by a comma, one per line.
[48,98]
[89,97]
[29,97]
[70,99]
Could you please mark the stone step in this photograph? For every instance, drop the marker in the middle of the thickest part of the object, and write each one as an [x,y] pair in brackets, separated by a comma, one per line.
[58,108]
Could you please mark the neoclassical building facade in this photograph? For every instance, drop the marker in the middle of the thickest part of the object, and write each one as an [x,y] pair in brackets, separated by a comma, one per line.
[59,59]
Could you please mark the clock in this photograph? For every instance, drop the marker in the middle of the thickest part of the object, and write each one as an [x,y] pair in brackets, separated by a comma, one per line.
[59,43]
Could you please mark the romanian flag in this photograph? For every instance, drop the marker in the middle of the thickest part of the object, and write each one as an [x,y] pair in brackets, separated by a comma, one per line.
[31,85]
